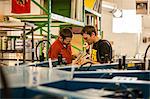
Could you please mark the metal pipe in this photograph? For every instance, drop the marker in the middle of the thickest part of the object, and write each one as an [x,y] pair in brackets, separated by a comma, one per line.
[49,25]
[32,45]
[145,57]
[112,8]
[36,28]
[24,37]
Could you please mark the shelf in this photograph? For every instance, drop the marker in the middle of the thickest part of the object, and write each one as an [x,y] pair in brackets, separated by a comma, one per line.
[49,20]
[54,17]
[9,36]
[14,36]
[11,51]
[11,24]
[67,20]
[93,12]
[13,59]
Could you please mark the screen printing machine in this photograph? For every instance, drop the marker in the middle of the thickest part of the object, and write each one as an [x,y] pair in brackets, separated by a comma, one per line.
[88,81]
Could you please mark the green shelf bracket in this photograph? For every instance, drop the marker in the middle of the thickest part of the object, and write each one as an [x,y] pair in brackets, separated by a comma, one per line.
[82,44]
[76,48]
[32,17]
[46,23]
[49,26]
[36,28]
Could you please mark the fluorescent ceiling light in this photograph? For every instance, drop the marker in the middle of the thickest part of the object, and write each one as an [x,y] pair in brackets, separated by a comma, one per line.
[111,7]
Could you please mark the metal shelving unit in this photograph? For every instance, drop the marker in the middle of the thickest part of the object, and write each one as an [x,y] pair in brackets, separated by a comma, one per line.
[92,12]
[14,26]
[51,20]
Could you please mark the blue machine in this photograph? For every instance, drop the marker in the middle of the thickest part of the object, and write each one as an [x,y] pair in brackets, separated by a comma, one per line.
[77,89]
[109,74]
[136,89]
[41,82]
[87,67]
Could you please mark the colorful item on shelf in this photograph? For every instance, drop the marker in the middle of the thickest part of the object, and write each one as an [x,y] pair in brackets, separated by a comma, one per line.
[94,5]
[20,6]
[90,3]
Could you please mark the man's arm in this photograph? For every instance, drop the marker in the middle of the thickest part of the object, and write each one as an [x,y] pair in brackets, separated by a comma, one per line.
[53,52]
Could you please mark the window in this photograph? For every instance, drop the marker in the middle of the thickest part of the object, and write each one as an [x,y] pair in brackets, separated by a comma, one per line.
[128,23]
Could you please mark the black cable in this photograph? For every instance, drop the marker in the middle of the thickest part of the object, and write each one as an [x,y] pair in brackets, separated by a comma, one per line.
[85,64]
[38,45]
[146,54]
[89,66]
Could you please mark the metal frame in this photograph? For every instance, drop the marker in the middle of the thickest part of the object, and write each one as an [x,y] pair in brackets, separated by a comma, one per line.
[20,27]
[46,20]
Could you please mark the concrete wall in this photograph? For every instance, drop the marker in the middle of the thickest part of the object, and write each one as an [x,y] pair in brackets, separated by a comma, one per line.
[126,44]
[145,33]
[123,44]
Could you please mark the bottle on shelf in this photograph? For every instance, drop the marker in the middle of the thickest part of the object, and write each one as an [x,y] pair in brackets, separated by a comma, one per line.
[4,43]
[9,45]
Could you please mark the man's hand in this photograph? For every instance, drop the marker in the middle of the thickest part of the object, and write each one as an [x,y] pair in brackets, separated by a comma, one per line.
[82,58]
[74,57]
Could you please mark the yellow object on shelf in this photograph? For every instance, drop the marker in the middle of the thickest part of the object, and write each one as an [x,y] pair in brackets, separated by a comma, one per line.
[89,3]
[131,64]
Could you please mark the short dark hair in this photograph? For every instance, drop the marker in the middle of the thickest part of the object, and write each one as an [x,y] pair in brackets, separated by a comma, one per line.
[65,32]
[88,29]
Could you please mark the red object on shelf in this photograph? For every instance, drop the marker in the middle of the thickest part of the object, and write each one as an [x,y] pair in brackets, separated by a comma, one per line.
[20,6]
